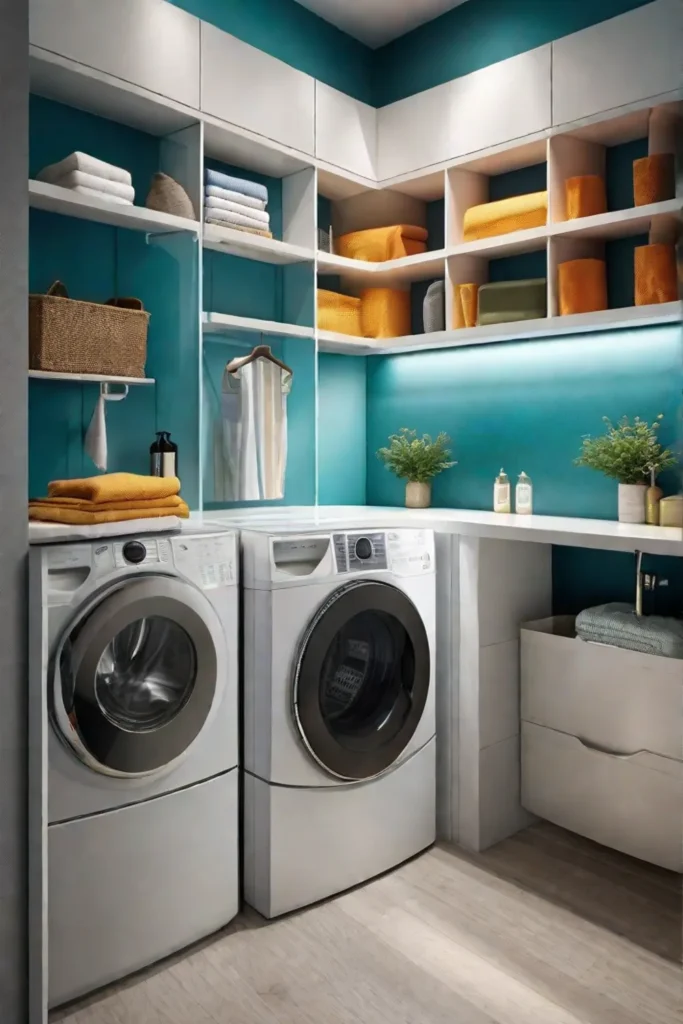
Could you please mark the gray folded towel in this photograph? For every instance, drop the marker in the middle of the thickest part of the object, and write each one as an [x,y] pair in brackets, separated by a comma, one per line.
[618,626]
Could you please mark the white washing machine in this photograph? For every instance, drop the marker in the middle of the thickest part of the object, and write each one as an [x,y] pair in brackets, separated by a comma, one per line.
[338,696]
[134,665]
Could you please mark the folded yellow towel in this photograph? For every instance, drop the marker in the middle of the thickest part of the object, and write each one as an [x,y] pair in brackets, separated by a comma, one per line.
[375,245]
[49,513]
[116,487]
[171,503]
[337,312]
[514,214]
[385,312]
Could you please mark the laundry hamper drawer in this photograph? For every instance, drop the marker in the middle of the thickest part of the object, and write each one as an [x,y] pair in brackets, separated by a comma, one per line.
[633,804]
[615,699]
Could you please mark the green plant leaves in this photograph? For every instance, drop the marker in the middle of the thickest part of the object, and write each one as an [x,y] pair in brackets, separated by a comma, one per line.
[628,452]
[416,458]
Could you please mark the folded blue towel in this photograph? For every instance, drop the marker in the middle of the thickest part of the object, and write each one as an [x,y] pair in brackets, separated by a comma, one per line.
[247,188]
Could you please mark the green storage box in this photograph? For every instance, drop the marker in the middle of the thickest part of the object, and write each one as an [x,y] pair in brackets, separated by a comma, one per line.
[510,301]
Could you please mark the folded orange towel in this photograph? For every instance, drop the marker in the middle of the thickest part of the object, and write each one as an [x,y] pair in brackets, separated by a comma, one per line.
[49,513]
[655,274]
[171,503]
[585,196]
[583,286]
[375,245]
[337,312]
[654,179]
[466,305]
[116,487]
[385,312]
[499,218]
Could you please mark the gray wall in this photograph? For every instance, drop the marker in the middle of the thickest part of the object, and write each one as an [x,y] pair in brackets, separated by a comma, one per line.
[13,493]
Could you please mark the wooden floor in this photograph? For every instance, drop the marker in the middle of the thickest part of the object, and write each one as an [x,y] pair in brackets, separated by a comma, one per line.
[545,928]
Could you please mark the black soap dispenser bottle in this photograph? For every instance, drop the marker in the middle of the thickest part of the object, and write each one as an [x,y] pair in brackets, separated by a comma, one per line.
[163,455]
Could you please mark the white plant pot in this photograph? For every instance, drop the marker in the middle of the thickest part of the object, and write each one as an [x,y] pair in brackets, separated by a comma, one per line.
[418,495]
[632,503]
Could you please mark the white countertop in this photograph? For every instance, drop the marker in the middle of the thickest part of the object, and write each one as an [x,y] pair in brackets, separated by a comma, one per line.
[585,533]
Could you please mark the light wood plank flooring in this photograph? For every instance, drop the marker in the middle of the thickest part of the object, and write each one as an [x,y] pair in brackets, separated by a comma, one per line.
[545,928]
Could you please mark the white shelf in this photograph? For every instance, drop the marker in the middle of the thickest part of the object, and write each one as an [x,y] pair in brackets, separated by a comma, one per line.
[88,378]
[254,247]
[422,267]
[526,330]
[528,240]
[226,323]
[56,199]
[619,224]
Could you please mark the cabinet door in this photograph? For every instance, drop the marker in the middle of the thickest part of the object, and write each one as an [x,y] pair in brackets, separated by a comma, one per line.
[620,61]
[345,131]
[501,102]
[149,43]
[415,132]
[249,88]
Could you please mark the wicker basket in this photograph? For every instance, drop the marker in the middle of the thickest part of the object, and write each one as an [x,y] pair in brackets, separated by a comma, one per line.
[68,336]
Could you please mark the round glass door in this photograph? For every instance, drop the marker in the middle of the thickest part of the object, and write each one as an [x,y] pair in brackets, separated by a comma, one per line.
[362,680]
[138,676]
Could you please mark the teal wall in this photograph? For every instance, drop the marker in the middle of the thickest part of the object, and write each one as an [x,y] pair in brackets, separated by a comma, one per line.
[342,409]
[583,578]
[524,406]
[479,33]
[295,35]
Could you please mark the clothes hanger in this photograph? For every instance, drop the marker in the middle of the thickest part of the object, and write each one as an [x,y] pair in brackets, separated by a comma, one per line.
[260,352]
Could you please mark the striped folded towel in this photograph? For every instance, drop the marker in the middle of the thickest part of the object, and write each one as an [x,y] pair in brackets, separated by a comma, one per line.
[88,164]
[234,197]
[221,225]
[97,183]
[106,197]
[227,181]
[618,625]
[247,211]
[228,217]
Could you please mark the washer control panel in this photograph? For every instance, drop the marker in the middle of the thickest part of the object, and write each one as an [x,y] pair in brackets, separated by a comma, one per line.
[355,552]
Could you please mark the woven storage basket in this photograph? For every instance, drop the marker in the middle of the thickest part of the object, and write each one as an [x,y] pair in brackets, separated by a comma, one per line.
[69,336]
[167,196]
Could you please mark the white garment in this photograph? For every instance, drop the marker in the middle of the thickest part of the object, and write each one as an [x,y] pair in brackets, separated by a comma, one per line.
[84,162]
[96,435]
[97,183]
[234,197]
[250,443]
[213,203]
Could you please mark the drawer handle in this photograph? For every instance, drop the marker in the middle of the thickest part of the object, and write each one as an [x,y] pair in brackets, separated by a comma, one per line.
[597,749]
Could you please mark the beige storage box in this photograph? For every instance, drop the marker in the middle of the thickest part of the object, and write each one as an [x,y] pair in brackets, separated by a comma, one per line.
[602,741]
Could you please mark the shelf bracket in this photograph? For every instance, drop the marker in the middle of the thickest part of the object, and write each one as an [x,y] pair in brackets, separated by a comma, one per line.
[153,237]
[112,396]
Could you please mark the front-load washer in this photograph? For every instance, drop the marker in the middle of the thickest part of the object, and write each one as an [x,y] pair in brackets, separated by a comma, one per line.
[338,703]
[134,663]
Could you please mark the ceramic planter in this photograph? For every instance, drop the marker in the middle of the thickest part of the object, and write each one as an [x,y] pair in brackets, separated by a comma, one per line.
[418,495]
[632,503]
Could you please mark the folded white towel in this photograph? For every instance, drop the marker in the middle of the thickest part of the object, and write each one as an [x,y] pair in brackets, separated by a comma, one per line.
[114,188]
[228,217]
[212,203]
[89,164]
[234,197]
[106,197]
[223,226]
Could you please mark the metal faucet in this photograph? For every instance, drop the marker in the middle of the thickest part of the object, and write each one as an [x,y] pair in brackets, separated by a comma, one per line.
[645,581]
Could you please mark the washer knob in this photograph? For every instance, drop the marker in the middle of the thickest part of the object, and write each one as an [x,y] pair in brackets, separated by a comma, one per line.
[363,548]
[134,551]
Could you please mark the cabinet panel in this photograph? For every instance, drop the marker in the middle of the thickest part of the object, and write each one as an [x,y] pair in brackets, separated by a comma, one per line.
[501,102]
[149,43]
[249,88]
[620,61]
[345,131]
[415,132]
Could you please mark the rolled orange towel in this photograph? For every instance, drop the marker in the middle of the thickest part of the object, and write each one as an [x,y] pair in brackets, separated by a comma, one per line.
[337,312]
[376,245]
[505,215]
[385,312]
[115,487]
[583,286]
[654,179]
[585,196]
[465,313]
[655,274]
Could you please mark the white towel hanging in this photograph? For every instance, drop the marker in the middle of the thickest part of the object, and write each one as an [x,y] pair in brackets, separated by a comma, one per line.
[96,435]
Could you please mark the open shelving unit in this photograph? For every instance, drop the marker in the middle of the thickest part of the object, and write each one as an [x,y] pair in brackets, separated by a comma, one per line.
[217,325]
[87,378]
[55,199]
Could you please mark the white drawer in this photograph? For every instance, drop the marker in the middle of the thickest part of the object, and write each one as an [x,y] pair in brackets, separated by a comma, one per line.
[633,804]
[617,700]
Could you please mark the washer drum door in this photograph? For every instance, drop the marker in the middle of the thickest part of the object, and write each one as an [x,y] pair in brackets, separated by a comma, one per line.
[139,676]
[362,680]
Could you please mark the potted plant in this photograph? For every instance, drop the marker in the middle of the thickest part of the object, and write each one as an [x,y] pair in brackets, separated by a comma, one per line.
[417,460]
[629,453]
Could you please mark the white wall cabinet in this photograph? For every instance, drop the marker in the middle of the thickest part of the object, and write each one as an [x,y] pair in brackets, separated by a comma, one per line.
[414,132]
[249,88]
[149,43]
[626,59]
[346,131]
